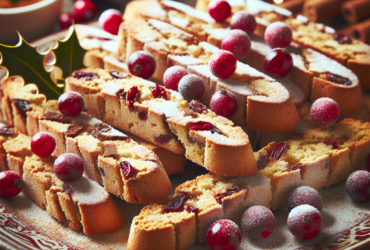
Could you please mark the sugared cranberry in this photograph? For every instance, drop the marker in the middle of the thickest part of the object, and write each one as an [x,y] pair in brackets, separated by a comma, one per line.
[68,167]
[173,75]
[333,143]
[324,112]
[10,184]
[133,95]
[43,144]
[85,9]
[278,35]
[222,64]
[358,186]
[219,10]
[191,87]
[71,103]
[368,163]
[342,38]
[159,92]
[229,191]
[205,126]
[224,103]
[223,234]
[141,64]
[110,20]
[305,222]
[278,62]
[238,43]
[305,195]
[244,21]
[66,20]
[177,203]
[278,151]
[127,169]
[163,139]
[7,130]
[258,222]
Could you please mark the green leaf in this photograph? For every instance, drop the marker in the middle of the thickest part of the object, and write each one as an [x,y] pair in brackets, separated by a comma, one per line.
[25,61]
[69,54]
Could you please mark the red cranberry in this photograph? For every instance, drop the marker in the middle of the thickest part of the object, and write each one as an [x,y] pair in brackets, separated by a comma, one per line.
[43,144]
[159,92]
[223,234]
[229,191]
[219,10]
[68,167]
[278,62]
[177,203]
[128,169]
[85,9]
[133,95]
[258,222]
[222,64]
[163,139]
[358,186]
[173,75]
[205,126]
[141,64]
[238,43]
[87,76]
[324,112]
[333,143]
[244,21]
[191,87]
[66,20]
[10,184]
[305,222]
[278,35]
[342,38]
[368,163]
[224,103]
[278,151]
[71,103]
[305,195]
[7,130]
[110,20]
[198,107]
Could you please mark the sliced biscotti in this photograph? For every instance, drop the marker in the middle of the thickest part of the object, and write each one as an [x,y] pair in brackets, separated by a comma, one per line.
[148,109]
[8,132]
[316,158]
[184,218]
[82,205]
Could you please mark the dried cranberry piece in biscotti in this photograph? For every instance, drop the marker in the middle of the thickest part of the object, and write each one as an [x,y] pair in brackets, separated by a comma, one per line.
[22,105]
[336,78]
[163,139]
[132,96]
[87,76]
[128,170]
[205,126]
[159,92]
[278,151]
[198,107]
[7,130]
[342,38]
[294,167]
[118,75]
[333,143]
[229,192]
[177,203]
[191,209]
[143,115]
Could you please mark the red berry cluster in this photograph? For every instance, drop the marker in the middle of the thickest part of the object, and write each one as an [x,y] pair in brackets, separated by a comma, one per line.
[83,10]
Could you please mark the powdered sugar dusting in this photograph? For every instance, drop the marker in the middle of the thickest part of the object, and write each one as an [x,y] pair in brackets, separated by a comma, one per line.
[298,212]
[111,88]
[257,6]
[218,33]
[305,195]
[295,92]
[179,22]
[168,108]
[236,3]
[87,191]
[89,44]
[110,46]
[219,139]
[200,15]
[208,47]
[302,19]
[90,31]
[184,60]
[246,69]
[116,62]
[258,222]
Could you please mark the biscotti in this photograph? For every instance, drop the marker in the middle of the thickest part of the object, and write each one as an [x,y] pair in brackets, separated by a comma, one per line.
[105,151]
[266,98]
[184,218]
[162,117]
[82,205]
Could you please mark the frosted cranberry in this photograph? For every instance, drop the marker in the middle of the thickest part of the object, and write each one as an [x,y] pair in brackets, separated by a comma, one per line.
[191,87]
[159,92]
[127,169]
[238,43]
[68,167]
[278,151]
[258,222]
[278,62]
[71,103]
[244,21]
[229,191]
[305,222]
[177,203]
[173,75]
[43,144]
[10,184]
[141,64]
[7,130]
[222,64]
[66,20]
[224,103]
[85,9]
[278,35]
[358,186]
[219,10]
[305,195]
[324,112]
[223,234]
[368,163]
[110,20]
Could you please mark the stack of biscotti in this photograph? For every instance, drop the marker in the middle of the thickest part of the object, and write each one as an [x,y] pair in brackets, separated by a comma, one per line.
[82,204]
[21,107]
[316,158]
[163,117]
[103,149]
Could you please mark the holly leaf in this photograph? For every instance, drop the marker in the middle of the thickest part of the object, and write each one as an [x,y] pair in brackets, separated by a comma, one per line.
[69,54]
[25,61]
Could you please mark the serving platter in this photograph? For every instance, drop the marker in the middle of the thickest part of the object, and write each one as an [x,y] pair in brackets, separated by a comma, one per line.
[23,225]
